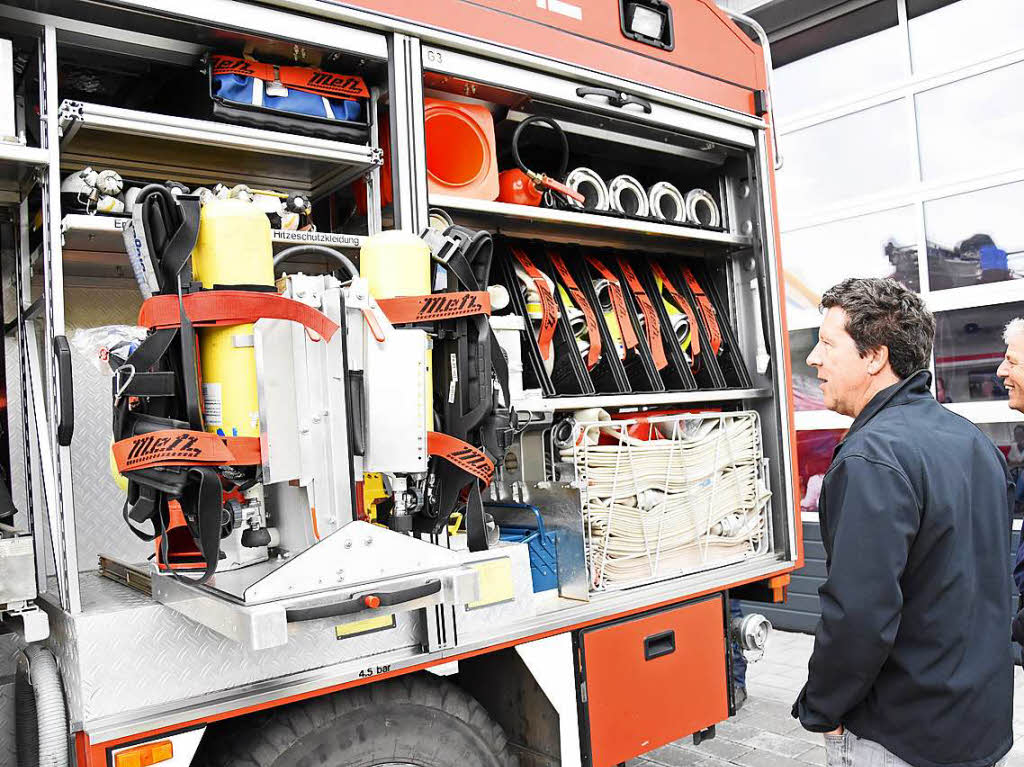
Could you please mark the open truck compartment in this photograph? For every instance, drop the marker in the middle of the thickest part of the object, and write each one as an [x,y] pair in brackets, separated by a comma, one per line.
[403,501]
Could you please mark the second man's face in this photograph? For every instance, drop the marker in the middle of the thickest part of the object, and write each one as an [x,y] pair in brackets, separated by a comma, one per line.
[842,372]
[1011,371]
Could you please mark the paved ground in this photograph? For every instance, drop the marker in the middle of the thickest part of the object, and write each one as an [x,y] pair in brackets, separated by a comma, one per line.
[762,734]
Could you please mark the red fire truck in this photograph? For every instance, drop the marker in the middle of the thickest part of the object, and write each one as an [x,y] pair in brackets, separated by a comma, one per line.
[387,382]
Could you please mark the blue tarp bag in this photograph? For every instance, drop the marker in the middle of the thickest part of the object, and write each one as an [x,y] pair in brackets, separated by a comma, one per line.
[288,98]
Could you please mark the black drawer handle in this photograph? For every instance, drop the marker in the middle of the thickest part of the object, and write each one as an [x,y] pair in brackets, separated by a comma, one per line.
[66,426]
[367,601]
[657,645]
[615,98]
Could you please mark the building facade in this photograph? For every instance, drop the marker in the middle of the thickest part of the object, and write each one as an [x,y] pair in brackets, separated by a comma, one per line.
[901,127]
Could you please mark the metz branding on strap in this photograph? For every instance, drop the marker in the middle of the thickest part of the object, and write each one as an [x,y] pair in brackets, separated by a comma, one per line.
[707,311]
[232,307]
[184,447]
[549,308]
[436,306]
[651,324]
[462,454]
[300,78]
[593,335]
[618,303]
[682,305]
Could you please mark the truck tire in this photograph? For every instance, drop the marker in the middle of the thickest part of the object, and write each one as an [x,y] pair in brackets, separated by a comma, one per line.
[414,720]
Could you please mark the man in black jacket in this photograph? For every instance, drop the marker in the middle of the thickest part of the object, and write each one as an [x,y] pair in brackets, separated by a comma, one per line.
[912,661]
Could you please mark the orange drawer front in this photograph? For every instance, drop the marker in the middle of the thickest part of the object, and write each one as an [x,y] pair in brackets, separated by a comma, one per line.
[650,680]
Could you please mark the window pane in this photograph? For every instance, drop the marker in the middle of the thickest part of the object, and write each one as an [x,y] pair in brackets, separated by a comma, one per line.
[976,238]
[965,32]
[806,393]
[815,259]
[814,454]
[858,154]
[971,127]
[839,74]
[968,349]
[1009,438]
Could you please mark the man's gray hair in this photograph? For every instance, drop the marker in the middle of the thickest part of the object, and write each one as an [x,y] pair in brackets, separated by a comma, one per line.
[1014,327]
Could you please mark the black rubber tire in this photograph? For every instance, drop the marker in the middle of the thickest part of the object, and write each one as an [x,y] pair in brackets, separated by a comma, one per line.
[415,719]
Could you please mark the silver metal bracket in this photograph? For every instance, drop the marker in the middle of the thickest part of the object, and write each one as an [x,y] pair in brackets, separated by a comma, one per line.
[28,621]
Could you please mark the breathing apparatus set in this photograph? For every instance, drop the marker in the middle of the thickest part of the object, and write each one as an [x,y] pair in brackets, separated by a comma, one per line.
[247,418]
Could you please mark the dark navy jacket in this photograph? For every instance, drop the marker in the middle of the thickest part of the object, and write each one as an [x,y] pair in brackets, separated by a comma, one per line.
[913,650]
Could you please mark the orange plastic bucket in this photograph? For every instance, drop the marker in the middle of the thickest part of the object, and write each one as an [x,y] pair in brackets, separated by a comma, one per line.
[461,156]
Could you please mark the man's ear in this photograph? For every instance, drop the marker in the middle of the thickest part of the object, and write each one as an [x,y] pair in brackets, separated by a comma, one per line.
[878,360]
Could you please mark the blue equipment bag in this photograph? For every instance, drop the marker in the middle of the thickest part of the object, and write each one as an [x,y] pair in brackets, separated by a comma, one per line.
[291,99]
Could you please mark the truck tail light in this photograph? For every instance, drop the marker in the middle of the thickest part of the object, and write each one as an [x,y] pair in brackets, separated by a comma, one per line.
[145,755]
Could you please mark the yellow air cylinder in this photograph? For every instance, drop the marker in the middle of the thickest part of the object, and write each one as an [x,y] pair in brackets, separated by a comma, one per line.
[234,248]
[397,264]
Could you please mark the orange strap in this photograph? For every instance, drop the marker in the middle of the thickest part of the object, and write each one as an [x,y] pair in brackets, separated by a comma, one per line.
[184,447]
[548,306]
[300,78]
[618,303]
[232,307]
[682,305]
[707,311]
[594,352]
[462,454]
[436,306]
[652,326]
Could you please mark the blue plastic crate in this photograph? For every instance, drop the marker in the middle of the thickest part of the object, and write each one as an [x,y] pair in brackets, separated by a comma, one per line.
[542,546]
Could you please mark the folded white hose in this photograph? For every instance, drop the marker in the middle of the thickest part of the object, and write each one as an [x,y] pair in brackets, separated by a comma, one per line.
[656,507]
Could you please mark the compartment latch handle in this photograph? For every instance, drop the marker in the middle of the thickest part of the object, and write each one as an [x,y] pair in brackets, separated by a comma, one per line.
[618,99]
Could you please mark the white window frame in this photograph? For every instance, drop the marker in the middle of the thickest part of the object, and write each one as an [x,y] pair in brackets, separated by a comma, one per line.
[916,195]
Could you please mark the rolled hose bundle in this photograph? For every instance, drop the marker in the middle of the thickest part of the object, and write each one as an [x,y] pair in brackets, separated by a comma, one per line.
[534,309]
[627,196]
[588,183]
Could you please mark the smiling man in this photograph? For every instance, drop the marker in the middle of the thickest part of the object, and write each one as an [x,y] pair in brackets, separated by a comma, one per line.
[1011,373]
[912,661]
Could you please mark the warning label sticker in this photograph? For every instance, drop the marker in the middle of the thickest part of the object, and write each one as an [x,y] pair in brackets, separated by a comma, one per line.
[213,410]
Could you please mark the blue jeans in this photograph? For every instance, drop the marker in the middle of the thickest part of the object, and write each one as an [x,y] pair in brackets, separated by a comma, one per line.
[739,660]
[847,750]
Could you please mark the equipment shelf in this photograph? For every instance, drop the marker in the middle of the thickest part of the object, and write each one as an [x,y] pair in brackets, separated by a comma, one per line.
[550,404]
[570,226]
[16,160]
[205,152]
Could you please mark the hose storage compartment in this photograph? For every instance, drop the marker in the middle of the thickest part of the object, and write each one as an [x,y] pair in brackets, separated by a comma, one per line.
[40,715]
[671,494]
